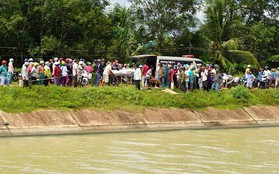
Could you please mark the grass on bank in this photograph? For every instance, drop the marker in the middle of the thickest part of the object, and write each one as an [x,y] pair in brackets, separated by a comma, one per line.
[18,99]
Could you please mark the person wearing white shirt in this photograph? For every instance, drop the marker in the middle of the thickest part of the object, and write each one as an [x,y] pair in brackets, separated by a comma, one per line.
[11,70]
[64,73]
[75,72]
[204,74]
[24,74]
[137,77]
[157,72]
[266,72]
[107,72]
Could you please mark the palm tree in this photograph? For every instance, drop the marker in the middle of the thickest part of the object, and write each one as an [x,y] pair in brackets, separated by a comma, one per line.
[221,21]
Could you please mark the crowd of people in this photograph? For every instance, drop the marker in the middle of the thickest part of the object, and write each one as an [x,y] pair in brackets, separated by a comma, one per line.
[184,77]
[69,72]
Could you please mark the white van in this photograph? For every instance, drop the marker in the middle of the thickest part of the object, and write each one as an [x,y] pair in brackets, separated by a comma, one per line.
[156,60]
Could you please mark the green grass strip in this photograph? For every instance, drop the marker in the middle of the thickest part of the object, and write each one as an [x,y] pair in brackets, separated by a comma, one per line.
[17,99]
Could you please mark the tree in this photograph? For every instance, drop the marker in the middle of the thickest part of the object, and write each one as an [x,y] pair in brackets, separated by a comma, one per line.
[261,10]
[123,42]
[221,20]
[57,27]
[162,20]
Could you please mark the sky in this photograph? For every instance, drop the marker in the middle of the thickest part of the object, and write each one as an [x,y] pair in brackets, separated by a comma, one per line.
[200,14]
[121,2]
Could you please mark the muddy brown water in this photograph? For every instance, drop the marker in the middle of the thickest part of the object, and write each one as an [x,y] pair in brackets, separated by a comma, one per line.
[190,151]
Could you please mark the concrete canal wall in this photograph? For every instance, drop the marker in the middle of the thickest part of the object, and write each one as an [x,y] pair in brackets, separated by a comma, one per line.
[89,121]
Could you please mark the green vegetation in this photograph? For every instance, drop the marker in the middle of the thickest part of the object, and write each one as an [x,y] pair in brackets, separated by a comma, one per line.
[16,99]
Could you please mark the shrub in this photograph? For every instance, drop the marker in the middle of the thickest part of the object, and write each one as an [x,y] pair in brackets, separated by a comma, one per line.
[241,93]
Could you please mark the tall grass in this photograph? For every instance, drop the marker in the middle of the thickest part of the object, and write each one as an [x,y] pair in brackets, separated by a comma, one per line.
[16,99]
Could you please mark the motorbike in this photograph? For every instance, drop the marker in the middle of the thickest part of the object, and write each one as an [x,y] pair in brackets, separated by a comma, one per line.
[234,81]
[266,83]
[84,79]
[229,81]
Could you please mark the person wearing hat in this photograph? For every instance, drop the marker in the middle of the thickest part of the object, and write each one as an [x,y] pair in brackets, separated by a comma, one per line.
[47,71]
[277,78]
[89,69]
[98,72]
[64,73]
[24,74]
[56,60]
[34,73]
[248,69]
[267,73]
[137,76]
[250,79]
[57,72]
[30,66]
[41,72]
[11,70]
[4,73]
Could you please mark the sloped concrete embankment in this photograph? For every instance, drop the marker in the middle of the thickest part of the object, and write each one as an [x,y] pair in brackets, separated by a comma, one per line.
[90,121]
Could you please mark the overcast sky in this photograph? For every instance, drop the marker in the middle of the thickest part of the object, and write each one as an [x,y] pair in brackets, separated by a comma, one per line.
[121,2]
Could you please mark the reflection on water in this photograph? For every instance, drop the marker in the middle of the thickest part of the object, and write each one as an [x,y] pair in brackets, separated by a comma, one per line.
[190,151]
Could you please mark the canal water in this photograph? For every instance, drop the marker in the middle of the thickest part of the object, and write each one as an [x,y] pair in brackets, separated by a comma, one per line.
[190,151]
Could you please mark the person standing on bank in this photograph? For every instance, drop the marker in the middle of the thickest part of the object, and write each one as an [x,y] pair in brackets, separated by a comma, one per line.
[97,69]
[75,72]
[161,74]
[11,70]
[24,74]
[47,71]
[145,68]
[4,73]
[182,79]
[34,73]
[57,72]
[41,73]
[137,76]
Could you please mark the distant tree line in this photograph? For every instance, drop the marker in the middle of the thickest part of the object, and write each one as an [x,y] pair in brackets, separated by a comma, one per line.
[233,34]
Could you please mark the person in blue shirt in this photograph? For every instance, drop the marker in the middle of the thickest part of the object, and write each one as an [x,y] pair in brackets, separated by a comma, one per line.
[166,82]
[191,78]
[217,79]
[4,73]
[250,79]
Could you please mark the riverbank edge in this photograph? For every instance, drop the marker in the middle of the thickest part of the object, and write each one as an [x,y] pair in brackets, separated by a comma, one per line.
[52,122]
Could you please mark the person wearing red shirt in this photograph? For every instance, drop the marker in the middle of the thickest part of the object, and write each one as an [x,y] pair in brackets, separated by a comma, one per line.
[170,75]
[56,73]
[145,68]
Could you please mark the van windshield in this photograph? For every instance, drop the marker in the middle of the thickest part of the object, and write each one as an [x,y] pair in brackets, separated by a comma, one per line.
[188,62]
